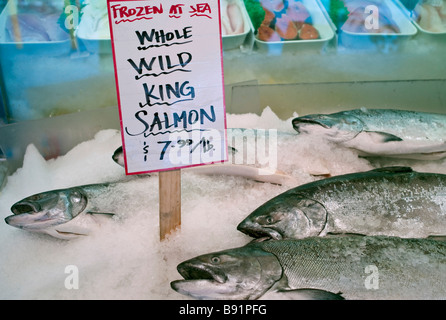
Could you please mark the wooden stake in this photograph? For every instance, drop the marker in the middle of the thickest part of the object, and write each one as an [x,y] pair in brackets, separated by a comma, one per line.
[170,201]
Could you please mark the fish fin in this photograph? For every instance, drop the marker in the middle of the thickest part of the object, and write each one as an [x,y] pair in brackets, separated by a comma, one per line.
[232,150]
[302,294]
[262,239]
[103,213]
[70,233]
[437,237]
[395,169]
[325,175]
[64,235]
[382,137]
[143,175]
[439,154]
[346,234]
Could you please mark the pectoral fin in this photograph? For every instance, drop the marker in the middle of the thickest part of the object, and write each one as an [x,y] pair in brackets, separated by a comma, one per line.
[302,294]
[381,137]
[66,235]
[103,213]
[99,217]
[375,143]
[70,234]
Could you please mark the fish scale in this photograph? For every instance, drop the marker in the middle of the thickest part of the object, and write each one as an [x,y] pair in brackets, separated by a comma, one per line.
[382,197]
[307,266]
[405,266]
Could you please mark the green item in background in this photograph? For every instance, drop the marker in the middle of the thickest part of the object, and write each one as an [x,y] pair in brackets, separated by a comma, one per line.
[338,12]
[256,12]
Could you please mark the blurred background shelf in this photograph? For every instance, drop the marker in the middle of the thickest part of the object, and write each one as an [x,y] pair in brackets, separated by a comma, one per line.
[71,83]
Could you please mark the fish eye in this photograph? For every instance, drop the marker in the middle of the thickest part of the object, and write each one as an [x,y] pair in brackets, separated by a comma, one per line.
[76,196]
[215,260]
[266,220]
[271,219]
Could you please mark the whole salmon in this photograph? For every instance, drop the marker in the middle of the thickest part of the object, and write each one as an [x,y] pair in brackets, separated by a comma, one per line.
[352,267]
[381,132]
[393,201]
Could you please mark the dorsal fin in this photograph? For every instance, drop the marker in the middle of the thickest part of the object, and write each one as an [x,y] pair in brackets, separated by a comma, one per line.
[379,136]
[396,169]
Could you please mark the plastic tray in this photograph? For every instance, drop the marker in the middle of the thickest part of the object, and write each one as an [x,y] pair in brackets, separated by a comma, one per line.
[92,42]
[320,22]
[236,40]
[367,41]
[103,45]
[423,32]
[9,49]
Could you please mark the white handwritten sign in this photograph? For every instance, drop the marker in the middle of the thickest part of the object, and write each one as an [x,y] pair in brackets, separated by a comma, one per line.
[169,76]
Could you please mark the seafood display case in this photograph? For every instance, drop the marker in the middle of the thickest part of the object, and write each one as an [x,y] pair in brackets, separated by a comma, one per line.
[270,48]
[340,93]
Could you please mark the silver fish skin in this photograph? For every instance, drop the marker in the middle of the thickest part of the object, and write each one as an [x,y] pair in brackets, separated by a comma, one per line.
[249,150]
[381,132]
[238,138]
[393,201]
[118,156]
[52,211]
[352,267]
